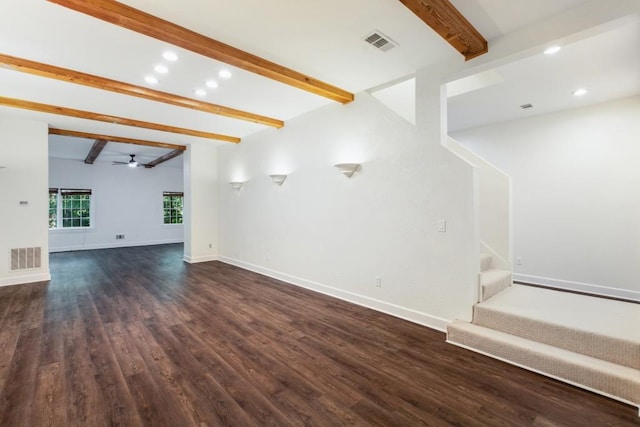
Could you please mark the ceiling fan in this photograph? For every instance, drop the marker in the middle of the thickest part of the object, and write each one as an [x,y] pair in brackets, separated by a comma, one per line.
[132,163]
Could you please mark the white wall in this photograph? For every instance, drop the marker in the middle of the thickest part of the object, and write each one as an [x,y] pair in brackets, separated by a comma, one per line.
[494,206]
[335,235]
[23,153]
[201,240]
[576,194]
[125,200]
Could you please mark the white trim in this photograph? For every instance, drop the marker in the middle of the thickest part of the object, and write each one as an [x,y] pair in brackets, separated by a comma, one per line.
[408,314]
[31,278]
[578,286]
[113,245]
[197,259]
[71,229]
[537,371]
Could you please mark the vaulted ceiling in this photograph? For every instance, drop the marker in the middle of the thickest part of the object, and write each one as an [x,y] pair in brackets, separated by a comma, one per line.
[318,42]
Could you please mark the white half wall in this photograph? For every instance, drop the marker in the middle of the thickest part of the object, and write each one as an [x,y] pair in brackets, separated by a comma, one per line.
[125,201]
[23,155]
[576,196]
[338,235]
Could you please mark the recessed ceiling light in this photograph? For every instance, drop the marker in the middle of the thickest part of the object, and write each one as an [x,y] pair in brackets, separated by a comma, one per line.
[200,92]
[552,49]
[152,80]
[579,92]
[225,74]
[212,84]
[170,56]
[162,69]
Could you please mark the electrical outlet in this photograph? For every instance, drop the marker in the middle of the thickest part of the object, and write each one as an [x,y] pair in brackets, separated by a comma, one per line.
[518,260]
[378,282]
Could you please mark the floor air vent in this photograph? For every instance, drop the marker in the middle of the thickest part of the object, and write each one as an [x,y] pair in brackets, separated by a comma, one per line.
[380,41]
[25,258]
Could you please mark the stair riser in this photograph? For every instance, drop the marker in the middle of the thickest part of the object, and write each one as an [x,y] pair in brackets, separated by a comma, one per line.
[491,287]
[589,343]
[625,388]
[485,262]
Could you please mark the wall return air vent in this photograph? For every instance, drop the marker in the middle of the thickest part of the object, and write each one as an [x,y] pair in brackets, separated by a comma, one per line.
[25,258]
[380,41]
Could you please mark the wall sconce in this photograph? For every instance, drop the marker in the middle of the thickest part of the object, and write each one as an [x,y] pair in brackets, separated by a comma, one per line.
[278,179]
[237,185]
[347,169]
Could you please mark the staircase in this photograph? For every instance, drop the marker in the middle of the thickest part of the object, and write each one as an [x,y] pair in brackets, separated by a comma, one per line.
[590,342]
[492,280]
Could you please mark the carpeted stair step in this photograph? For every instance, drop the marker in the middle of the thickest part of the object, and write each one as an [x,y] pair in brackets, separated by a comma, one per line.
[485,262]
[493,281]
[613,380]
[597,327]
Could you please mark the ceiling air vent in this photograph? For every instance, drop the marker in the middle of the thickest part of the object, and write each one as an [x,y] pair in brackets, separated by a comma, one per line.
[380,41]
[525,106]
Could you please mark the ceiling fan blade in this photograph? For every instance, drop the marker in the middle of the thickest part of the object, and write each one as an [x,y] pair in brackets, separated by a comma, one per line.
[120,163]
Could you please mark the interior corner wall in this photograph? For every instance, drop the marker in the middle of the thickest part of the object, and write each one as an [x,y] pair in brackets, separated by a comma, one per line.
[23,153]
[126,201]
[201,240]
[371,239]
[576,197]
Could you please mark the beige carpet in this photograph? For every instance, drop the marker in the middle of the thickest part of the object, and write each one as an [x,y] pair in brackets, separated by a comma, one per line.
[587,341]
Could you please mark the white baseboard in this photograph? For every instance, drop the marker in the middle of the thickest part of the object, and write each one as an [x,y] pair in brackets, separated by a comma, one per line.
[411,315]
[29,278]
[197,259]
[112,245]
[578,286]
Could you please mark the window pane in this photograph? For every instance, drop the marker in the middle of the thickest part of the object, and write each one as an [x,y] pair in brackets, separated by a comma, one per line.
[172,207]
[76,210]
[53,210]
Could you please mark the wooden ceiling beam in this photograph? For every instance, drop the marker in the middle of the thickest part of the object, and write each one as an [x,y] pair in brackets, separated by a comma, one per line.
[152,26]
[95,151]
[111,138]
[162,159]
[54,109]
[72,76]
[451,25]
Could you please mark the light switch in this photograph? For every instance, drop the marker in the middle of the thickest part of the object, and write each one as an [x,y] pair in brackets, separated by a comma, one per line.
[442,225]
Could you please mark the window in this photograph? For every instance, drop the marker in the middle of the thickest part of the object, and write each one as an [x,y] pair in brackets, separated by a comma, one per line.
[172,207]
[53,208]
[69,208]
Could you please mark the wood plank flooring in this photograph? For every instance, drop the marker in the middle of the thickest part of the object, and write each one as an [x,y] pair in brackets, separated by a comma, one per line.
[134,337]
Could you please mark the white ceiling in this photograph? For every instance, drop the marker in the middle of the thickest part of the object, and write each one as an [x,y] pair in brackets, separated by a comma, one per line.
[495,18]
[606,65]
[320,39]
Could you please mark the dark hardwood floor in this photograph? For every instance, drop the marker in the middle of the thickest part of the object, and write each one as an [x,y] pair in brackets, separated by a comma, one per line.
[135,336]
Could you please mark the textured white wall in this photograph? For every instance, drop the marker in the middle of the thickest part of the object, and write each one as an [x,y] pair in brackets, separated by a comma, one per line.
[336,235]
[23,153]
[576,194]
[494,205]
[126,201]
[201,240]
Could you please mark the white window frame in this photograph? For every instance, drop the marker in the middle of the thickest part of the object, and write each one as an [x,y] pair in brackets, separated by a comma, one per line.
[59,208]
[172,194]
